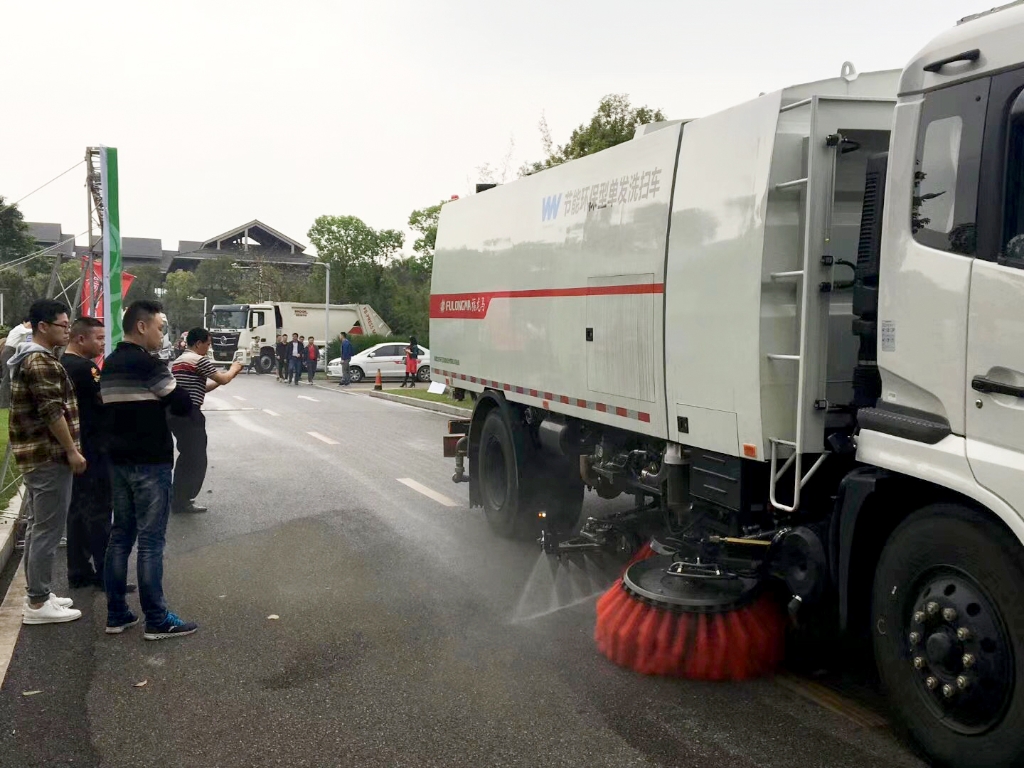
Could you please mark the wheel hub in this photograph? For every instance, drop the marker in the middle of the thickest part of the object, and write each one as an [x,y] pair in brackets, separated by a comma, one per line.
[688,586]
[960,651]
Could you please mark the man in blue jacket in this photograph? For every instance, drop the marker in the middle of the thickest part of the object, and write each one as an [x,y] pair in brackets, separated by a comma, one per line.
[346,357]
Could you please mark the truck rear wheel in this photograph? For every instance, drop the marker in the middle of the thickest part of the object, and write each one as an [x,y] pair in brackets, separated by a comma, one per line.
[948,629]
[499,477]
[514,493]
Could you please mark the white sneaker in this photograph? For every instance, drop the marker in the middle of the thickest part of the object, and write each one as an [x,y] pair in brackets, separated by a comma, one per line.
[49,613]
[63,602]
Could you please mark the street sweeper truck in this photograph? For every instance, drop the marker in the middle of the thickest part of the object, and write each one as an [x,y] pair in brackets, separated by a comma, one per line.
[793,332]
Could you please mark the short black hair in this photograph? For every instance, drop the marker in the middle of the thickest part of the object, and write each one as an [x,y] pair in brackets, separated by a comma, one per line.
[344,334]
[45,311]
[83,324]
[197,336]
[142,310]
[295,334]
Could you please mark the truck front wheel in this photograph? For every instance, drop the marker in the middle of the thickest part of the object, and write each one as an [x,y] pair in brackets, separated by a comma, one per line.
[948,628]
[499,477]
[265,362]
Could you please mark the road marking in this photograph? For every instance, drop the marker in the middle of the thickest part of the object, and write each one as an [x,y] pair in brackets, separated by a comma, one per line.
[440,498]
[311,399]
[272,413]
[238,398]
[10,619]
[323,439]
[831,700]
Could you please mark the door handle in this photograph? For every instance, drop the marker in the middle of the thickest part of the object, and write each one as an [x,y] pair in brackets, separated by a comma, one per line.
[981,384]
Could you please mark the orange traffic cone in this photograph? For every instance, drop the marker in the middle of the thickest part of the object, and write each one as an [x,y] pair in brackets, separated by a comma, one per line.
[378,383]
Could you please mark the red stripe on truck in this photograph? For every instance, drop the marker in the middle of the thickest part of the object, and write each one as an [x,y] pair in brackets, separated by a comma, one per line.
[474,306]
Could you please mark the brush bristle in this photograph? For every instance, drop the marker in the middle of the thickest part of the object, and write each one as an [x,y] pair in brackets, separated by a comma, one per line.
[734,645]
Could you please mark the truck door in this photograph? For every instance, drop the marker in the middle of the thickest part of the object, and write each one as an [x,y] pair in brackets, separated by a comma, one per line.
[995,339]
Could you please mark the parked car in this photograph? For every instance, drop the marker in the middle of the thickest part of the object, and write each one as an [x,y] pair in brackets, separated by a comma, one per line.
[388,358]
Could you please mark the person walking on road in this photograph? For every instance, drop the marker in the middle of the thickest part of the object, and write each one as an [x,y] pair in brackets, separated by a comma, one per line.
[294,359]
[138,389]
[197,375]
[45,442]
[312,357]
[412,363]
[281,350]
[19,334]
[90,511]
[346,359]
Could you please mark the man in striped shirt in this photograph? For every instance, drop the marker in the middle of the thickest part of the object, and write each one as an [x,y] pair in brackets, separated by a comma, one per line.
[138,390]
[197,375]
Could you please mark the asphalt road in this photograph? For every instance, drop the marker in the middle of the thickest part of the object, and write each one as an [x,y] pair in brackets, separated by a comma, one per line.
[407,633]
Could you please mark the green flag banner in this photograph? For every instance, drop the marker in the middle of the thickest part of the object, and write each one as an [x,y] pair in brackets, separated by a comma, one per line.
[111,248]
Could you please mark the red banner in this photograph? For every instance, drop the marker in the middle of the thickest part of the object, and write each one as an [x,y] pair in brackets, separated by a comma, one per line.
[93,285]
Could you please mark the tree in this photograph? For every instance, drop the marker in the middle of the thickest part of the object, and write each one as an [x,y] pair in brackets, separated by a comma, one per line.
[219,280]
[15,239]
[424,221]
[182,312]
[614,122]
[144,287]
[358,255]
[260,282]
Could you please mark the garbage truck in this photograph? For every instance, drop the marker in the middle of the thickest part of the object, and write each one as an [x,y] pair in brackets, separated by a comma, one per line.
[247,332]
[793,332]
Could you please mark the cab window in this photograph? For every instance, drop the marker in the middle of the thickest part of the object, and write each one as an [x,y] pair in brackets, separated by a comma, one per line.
[1012,250]
[945,202]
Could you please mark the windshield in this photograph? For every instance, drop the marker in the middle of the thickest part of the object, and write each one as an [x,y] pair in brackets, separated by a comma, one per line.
[228,318]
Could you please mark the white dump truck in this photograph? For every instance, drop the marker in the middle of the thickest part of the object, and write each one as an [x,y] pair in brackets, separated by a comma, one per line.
[794,331]
[248,332]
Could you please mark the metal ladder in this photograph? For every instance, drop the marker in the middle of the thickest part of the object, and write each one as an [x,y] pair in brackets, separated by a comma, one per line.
[815,257]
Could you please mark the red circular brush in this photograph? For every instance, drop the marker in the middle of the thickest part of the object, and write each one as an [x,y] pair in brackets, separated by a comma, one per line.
[689,623]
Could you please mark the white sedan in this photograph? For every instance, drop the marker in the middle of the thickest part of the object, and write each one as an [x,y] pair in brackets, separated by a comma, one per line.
[388,358]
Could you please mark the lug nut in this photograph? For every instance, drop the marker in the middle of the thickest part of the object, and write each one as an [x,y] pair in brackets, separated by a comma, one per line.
[919,617]
[949,614]
[918,662]
[963,633]
[962,683]
[915,638]
[932,608]
[968,659]
[932,683]
[948,691]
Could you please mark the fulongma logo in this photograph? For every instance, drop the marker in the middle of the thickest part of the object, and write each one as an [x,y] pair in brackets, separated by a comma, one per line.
[550,207]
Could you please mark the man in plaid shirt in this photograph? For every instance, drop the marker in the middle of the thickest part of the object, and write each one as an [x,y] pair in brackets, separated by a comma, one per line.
[44,439]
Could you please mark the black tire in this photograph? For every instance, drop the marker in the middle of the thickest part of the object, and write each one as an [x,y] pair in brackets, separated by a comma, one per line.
[499,478]
[355,374]
[512,498]
[965,571]
[265,363]
[423,374]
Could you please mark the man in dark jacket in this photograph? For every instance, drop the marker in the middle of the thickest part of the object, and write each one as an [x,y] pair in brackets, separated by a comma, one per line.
[281,350]
[90,510]
[138,389]
[294,359]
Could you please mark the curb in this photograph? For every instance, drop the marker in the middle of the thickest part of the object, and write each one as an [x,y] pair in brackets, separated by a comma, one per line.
[426,405]
[8,524]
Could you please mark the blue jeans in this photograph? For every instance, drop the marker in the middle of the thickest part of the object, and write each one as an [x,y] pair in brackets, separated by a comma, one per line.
[294,370]
[142,503]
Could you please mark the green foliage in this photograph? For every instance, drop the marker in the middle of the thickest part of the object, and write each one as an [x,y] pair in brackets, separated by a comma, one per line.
[358,254]
[144,287]
[219,280]
[614,122]
[182,311]
[15,240]
[424,221]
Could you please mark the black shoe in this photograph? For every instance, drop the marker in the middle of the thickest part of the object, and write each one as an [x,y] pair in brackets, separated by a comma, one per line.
[190,508]
[83,582]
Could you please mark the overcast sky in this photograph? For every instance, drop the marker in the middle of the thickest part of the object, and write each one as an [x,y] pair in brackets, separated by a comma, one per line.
[223,112]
